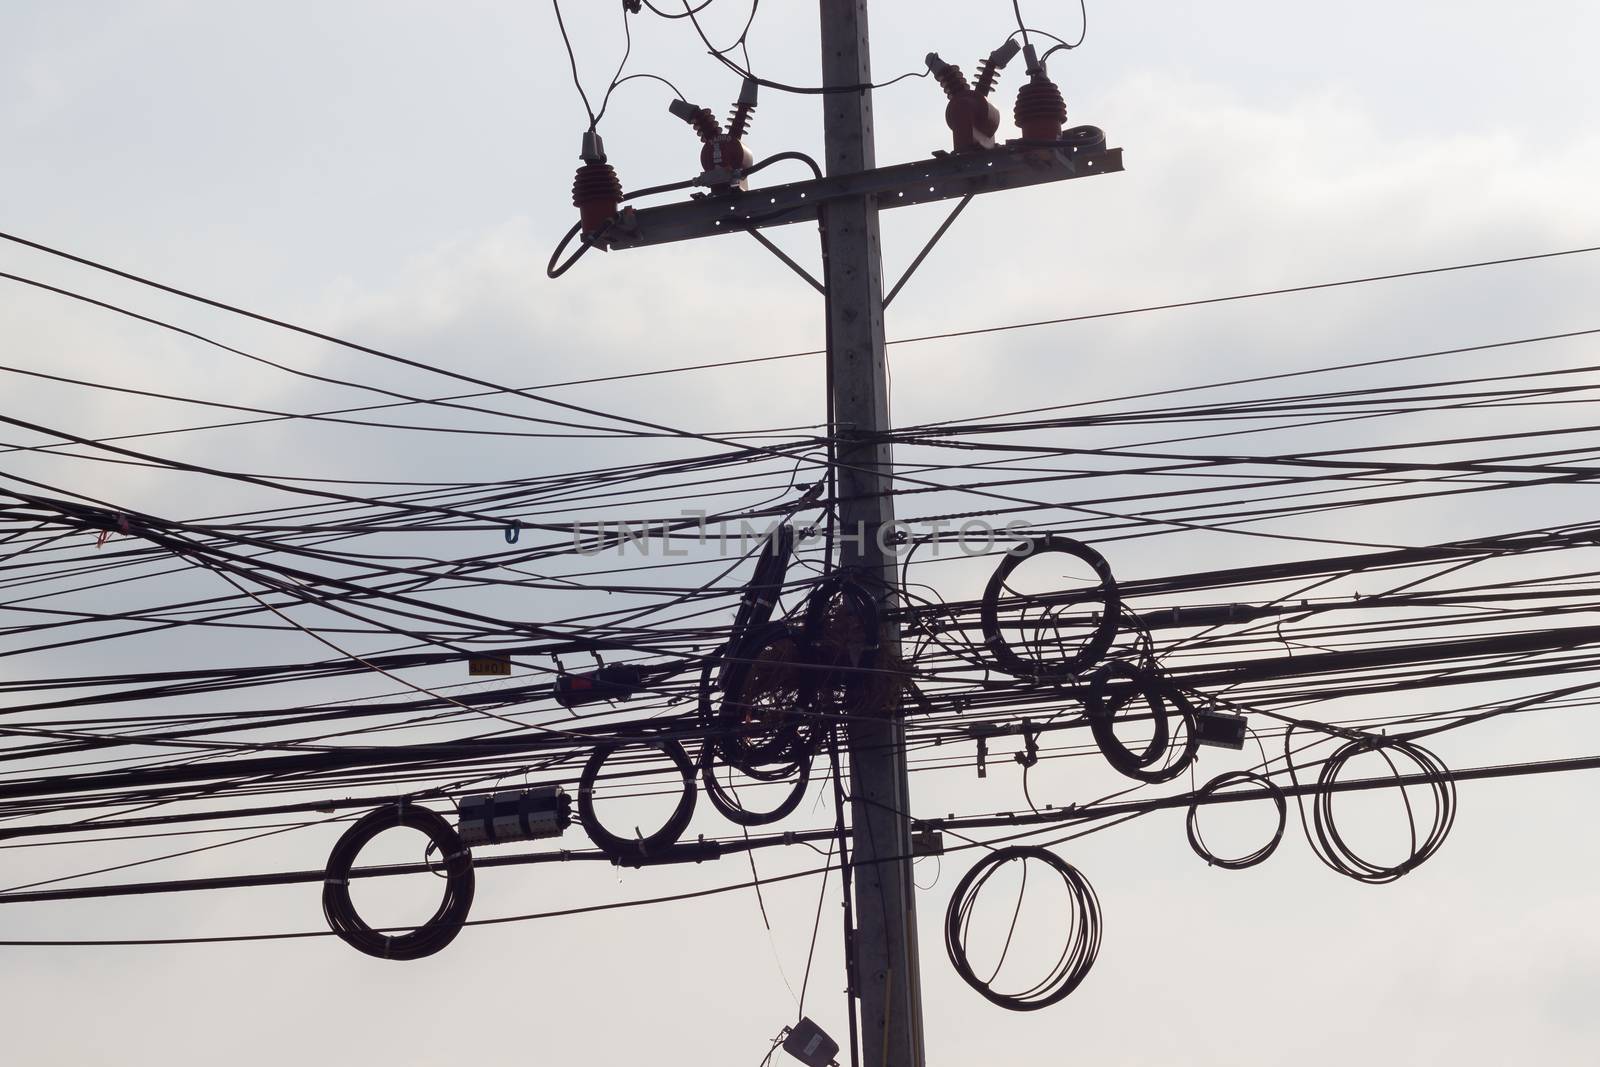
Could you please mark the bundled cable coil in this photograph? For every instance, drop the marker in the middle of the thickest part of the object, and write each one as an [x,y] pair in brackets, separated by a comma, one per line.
[843,634]
[761,594]
[768,686]
[1077,956]
[1112,690]
[728,804]
[1323,832]
[640,847]
[1103,627]
[445,923]
[1210,789]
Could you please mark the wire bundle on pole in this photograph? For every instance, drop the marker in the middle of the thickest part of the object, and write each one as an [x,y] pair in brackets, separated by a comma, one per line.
[766,584]
[403,581]
[843,637]
[766,695]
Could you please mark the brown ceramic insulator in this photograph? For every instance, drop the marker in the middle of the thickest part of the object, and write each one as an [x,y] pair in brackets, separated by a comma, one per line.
[705,125]
[739,121]
[972,119]
[952,81]
[1040,111]
[988,71]
[596,193]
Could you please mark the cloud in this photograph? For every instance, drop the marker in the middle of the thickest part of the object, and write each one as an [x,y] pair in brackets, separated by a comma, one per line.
[1227,189]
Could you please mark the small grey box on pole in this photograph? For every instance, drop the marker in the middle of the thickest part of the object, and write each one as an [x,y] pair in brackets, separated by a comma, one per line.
[885,907]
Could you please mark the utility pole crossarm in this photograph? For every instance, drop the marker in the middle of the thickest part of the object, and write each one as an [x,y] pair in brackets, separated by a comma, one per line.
[942,177]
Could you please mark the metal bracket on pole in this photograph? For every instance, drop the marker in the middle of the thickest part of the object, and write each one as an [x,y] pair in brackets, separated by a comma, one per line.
[945,177]
[789,262]
[922,255]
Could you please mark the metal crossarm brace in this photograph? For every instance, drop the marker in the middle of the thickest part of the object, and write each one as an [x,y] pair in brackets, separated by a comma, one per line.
[944,177]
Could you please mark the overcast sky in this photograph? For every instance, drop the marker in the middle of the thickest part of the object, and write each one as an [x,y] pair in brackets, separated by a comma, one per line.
[398,173]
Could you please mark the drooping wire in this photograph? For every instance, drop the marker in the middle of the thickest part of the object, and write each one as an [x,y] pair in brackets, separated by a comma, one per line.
[572,61]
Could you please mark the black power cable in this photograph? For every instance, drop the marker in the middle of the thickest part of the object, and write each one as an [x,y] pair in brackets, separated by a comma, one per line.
[767,689]
[766,584]
[731,807]
[1323,832]
[1160,761]
[1060,45]
[446,922]
[804,90]
[1078,955]
[844,635]
[1105,626]
[1220,782]
[679,14]
[642,846]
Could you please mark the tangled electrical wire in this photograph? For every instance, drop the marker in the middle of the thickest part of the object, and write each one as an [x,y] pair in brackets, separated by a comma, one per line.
[376,590]
[388,578]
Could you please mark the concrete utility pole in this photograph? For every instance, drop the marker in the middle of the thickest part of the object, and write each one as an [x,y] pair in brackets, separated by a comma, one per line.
[890,988]
[885,978]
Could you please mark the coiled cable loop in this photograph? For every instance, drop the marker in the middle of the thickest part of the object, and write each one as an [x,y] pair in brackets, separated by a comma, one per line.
[642,846]
[1104,700]
[1220,782]
[445,923]
[1077,956]
[1102,632]
[1329,843]
[728,805]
